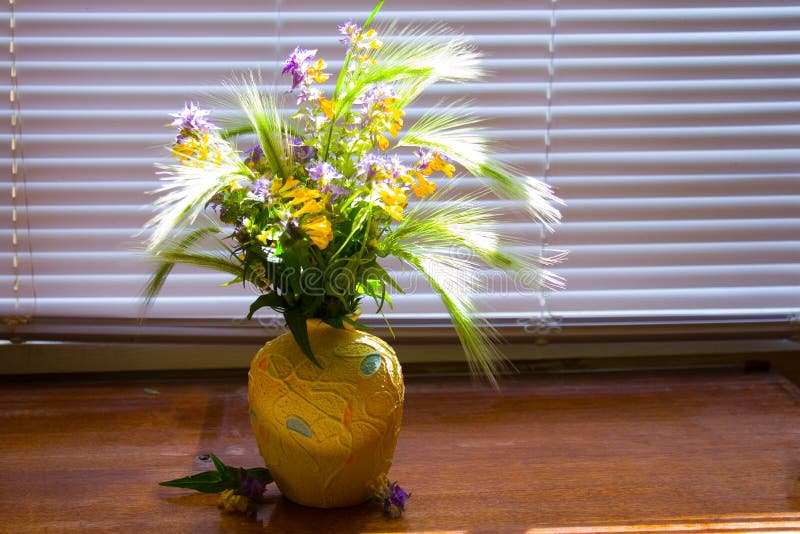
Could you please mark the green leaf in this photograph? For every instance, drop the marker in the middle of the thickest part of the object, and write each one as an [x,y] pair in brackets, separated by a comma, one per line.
[296,322]
[375,10]
[222,469]
[273,300]
[233,282]
[385,298]
[223,478]
[335,322]
[354,323]
[237,131]
[179,247]
[205,482]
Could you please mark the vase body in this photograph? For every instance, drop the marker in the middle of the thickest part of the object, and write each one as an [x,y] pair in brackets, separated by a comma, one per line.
[327,434]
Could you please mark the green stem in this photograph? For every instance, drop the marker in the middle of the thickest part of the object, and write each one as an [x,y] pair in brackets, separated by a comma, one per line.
[341,79]
[353,231]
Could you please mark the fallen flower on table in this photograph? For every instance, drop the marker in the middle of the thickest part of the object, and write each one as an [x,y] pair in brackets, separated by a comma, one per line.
[242,490]
[393,498]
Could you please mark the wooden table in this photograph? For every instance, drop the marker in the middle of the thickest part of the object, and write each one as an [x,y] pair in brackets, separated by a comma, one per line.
[678,451]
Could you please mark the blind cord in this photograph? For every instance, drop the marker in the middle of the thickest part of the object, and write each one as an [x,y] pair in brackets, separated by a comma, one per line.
[18,184]
[546,324]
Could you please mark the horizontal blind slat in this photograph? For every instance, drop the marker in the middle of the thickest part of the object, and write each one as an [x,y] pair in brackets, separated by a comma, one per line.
[50,240]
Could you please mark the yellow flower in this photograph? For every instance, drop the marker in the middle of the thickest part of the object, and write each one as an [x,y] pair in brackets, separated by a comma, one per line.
[232,502]
[394,200]
[383,143]
[374,44]
[311,206]
[392,195]
[326,106]
[315,71]
[394,128]
[275,186]
[290,183]
[234,185]
[263,237]
[396,212]
[395,121]
[195,152]
[424,188]
[300,195]
[385,117]
[280,187]
[183,152]
[307,197]
[318,230]
[439,164]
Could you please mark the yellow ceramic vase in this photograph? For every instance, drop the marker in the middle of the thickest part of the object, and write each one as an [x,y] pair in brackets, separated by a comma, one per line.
[327,434]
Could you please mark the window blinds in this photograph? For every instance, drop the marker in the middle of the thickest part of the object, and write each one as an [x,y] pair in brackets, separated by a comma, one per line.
[670,129]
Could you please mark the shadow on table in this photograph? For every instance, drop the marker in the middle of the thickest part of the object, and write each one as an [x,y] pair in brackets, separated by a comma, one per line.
[279,515]
[282,515]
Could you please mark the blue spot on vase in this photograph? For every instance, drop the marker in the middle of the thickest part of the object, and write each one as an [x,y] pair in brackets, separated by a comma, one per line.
[370,364]
[298,425]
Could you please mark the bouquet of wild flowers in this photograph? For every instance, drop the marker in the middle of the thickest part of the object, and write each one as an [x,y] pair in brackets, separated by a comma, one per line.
[306,212]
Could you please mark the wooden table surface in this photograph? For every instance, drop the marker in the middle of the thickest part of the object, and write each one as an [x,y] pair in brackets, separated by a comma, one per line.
[676,451]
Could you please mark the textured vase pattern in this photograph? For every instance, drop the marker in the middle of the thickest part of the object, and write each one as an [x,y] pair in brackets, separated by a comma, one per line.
[328,433]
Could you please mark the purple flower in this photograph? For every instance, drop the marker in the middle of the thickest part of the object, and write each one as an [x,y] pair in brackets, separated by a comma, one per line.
[369,166]
[324,171]
[378,92]
[373,166]
[301,153]
[252,487]
[374,101]
[304,154]
[350,30]
[260,189]
[394,167]
[253,156]
[335,190]
[308,94]
[425,157]
[191,120]
[297,64]
[394,500]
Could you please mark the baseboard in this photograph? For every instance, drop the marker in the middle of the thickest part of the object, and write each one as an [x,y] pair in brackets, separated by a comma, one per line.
[49,357]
